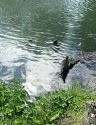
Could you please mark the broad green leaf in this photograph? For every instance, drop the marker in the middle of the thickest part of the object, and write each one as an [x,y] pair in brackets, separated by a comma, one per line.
[54,117]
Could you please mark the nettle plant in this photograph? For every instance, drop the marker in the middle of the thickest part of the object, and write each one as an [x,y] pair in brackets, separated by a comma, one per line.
[48,109]
[13,98]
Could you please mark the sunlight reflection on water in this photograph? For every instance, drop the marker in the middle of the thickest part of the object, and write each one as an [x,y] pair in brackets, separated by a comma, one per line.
[27,31]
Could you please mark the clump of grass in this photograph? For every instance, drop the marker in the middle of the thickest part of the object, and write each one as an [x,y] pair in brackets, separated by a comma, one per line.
[54,108]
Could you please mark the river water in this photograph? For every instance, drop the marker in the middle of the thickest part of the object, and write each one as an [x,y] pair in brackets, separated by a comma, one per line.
[27,31]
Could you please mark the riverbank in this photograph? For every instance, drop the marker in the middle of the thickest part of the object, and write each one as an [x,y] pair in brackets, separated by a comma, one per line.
[54,108]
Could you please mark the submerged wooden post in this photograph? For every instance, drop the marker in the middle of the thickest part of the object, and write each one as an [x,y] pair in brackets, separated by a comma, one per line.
[65,69]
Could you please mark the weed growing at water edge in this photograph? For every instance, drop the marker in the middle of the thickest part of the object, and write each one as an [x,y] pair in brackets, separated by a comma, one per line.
[54,108]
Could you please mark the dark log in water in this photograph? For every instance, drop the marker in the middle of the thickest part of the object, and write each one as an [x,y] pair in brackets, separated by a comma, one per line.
[67,65]
[82,68]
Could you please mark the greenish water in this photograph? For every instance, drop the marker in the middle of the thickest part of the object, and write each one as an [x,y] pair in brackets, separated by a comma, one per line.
[38,62]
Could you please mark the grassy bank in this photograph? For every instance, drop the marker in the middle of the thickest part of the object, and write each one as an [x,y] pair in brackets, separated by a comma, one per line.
[54,108]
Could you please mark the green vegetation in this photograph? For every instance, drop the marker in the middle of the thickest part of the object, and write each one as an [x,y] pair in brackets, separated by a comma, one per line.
[54,108]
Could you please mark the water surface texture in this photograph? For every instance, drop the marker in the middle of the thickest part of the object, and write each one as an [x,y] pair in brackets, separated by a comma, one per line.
[27,31]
